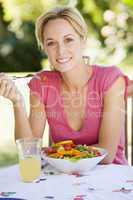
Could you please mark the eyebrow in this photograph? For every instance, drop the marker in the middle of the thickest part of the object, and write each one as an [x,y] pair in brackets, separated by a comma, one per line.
[64,36]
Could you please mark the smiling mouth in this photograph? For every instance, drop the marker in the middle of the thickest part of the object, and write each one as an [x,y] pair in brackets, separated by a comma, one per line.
[63,60]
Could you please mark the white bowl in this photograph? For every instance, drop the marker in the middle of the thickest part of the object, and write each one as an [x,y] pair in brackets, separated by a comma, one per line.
[81,166]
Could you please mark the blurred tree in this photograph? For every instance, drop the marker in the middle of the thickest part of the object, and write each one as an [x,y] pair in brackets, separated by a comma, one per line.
[128,2]
[111,23]
[18,47]
[18,54]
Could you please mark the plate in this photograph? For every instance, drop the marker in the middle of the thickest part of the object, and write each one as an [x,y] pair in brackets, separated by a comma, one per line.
[79,166]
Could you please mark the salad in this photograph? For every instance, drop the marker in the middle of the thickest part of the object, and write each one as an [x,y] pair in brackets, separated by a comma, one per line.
[68,150]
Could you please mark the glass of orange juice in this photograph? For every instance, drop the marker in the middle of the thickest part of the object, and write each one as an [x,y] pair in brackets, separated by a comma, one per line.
[29,151]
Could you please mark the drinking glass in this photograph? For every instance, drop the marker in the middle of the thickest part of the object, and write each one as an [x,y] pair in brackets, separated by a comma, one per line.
[29,152]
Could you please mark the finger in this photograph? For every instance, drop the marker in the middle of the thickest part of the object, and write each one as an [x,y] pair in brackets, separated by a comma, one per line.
[8,90]
[13,94]
[4,85]
[4,81]
[2,74]
[2,89]
[4,77]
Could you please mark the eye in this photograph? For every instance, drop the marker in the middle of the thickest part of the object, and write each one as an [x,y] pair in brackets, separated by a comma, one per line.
[69,40]
[51,43]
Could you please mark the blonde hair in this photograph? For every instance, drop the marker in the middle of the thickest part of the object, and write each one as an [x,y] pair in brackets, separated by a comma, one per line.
[72,15]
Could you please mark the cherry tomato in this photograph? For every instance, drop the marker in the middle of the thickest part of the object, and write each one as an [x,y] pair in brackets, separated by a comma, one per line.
[67,147]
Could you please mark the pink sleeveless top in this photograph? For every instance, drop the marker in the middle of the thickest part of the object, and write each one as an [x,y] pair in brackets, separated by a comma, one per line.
[47,86]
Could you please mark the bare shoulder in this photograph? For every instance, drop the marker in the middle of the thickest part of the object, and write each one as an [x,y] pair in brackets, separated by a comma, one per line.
[118,85]
[114,98]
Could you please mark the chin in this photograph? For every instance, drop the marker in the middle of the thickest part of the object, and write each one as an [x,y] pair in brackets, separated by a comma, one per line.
[65,68]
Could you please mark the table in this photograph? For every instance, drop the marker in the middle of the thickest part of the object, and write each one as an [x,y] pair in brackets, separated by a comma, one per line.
[104,182]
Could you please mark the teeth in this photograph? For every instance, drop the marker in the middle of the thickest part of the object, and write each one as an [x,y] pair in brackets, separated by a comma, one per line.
[63,60]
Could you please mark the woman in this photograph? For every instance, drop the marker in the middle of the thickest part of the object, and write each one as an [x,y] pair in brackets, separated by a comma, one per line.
[80,102]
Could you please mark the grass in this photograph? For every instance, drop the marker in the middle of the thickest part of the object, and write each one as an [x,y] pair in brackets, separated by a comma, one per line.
[8,154]
[7,159]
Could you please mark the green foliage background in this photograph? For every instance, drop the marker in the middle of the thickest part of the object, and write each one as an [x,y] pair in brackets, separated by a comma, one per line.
[110,31]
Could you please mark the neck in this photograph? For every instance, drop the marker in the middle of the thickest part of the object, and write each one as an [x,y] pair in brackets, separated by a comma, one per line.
[76,79]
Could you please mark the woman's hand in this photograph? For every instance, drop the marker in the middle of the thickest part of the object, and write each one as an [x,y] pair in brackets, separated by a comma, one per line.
[8,89]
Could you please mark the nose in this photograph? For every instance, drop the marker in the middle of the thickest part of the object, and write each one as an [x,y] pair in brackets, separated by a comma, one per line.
[61,49]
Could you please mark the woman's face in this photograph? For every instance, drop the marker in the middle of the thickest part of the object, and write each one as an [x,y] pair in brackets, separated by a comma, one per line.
[63,45]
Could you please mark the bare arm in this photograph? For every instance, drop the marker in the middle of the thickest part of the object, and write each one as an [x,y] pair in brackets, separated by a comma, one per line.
[112,119]
[9,90]
[37,116]
[130,89]
[34,126]
[24,127]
